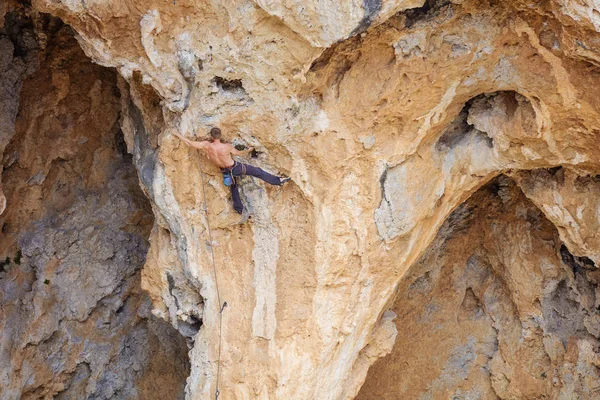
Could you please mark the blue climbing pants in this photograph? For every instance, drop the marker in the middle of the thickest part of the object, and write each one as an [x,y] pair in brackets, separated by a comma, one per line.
[239,169]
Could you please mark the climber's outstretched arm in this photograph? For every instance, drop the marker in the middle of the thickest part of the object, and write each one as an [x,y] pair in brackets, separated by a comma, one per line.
[198,145]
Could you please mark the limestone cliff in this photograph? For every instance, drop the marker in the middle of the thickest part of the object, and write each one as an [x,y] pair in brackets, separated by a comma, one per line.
[438,238]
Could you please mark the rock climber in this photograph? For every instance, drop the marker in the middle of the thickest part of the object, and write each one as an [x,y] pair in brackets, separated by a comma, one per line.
[220,154]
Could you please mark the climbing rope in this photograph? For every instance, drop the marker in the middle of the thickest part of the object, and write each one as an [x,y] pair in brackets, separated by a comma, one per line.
[223,305]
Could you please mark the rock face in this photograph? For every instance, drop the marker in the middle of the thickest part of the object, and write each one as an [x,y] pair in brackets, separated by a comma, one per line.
[390,117]
[74,322]
[514,321]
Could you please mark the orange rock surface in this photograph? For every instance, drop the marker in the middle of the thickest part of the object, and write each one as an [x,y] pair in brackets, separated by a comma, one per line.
[392,118]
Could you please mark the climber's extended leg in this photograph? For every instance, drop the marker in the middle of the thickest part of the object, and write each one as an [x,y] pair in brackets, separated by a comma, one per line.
[246,169]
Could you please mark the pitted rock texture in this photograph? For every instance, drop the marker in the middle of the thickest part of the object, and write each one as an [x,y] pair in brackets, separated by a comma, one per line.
[18,60]
[388,116]
[497,307]
[74,322]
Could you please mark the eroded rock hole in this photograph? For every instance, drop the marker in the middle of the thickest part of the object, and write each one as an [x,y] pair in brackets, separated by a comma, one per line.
[79,226]
[578,264]
[463,127]
[487,116]
[190,327]
[233,85]
[459,131]
[493,309]
[555,170]
[427,12]
[120,144]
[188,320]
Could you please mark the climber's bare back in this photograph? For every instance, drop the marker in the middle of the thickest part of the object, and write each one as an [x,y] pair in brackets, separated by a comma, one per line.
[219,153]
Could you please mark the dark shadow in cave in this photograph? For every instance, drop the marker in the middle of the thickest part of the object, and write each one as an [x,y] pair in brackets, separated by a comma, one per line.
[461,128]
[496,292]
[75,231]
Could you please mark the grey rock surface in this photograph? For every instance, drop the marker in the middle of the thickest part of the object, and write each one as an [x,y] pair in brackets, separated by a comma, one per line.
[74,322]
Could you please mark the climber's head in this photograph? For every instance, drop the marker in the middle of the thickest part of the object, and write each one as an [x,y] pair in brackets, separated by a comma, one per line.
[215,133]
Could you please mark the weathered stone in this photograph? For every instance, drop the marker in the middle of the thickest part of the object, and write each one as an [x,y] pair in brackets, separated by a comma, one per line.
[453,94]
[482,319]
[74,322]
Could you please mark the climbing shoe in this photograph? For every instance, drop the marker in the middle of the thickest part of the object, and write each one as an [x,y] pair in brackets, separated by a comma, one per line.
[283,180]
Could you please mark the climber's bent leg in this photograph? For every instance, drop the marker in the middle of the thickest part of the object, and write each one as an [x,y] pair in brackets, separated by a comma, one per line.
[246,169]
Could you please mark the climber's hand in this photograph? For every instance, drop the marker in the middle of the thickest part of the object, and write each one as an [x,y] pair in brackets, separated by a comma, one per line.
[241,150]
[254,153]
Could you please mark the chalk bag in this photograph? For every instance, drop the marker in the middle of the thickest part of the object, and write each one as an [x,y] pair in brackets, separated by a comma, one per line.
[227,179]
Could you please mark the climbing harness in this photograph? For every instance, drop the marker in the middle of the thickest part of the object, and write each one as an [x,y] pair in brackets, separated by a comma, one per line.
[222,305]
[228,177]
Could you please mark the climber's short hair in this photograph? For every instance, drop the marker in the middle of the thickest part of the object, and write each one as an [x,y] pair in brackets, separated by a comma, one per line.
[215,133]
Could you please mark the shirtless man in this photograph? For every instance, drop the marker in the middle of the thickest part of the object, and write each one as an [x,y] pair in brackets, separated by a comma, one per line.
[219,153]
